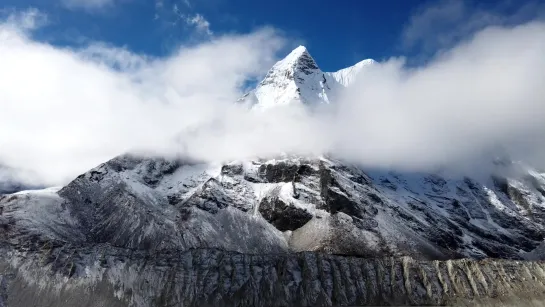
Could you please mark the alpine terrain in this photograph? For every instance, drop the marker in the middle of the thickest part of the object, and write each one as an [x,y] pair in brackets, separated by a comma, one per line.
[278,231]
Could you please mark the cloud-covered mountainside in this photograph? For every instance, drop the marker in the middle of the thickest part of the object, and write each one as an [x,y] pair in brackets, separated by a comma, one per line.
[453,111]
[287,230]
[11,183]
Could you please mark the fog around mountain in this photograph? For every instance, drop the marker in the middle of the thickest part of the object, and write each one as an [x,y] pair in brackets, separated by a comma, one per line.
[66,110]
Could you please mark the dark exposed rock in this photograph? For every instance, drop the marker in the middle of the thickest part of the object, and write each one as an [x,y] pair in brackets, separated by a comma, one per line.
[306,63]
[458,209]
[387,183]
[282,215]
[97,175]
[279,172]
[366,224]
[446,239]
[232,169]
[124,162]
[174,199]
[334,198]
[375,198]
[157,169]
[501,184]
[305,170]
[210,197]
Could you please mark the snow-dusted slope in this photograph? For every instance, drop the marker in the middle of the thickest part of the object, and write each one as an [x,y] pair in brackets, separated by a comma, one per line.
[298,79]
[153,232]
[291,204]
[348,76]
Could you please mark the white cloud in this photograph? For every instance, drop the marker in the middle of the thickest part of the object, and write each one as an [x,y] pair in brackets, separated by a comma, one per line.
[180,13]
[65,111]
[27,20]
[200,23]
[452,112]
[442,24]
[481,93]
[196,21]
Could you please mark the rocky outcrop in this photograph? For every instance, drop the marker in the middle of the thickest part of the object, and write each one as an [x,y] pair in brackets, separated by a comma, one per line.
[152,203]
[117,277]
[282,215]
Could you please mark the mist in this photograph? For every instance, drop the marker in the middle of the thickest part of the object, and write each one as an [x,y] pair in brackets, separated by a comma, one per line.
[485,93]
[66,110]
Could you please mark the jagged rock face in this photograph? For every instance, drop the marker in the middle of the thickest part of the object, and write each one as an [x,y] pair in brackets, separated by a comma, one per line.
[152,216]
[156,204]
[281,214]
[108,276]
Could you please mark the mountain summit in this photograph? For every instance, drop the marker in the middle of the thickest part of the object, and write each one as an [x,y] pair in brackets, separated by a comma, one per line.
[298,79]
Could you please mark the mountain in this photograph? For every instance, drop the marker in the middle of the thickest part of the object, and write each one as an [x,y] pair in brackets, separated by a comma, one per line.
[277,231]
[298,79]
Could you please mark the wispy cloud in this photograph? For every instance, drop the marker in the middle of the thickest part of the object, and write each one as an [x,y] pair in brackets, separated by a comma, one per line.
[197,21]
[88,4]
[442,24]
[180,13]
[27,20]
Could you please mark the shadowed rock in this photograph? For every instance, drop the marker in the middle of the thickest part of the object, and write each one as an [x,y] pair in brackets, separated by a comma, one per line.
[282,215]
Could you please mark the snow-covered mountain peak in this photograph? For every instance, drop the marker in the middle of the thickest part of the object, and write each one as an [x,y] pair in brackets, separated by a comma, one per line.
[294,79]
[299,60]
[299,50]
[298,79]
[347,76]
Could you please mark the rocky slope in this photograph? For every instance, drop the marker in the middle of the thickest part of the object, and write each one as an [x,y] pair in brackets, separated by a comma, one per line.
[289,231]
[119,277]
[153,232]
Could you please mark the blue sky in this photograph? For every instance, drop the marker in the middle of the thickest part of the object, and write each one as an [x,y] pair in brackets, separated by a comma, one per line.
[337,34]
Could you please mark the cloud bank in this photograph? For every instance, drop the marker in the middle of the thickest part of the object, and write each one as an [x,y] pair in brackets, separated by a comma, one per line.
[67,110]
[444,23]
[483,93]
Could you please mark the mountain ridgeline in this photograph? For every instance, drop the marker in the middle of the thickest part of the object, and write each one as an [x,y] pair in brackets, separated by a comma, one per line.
[279,231]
